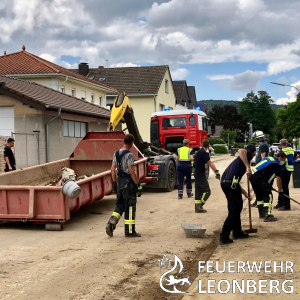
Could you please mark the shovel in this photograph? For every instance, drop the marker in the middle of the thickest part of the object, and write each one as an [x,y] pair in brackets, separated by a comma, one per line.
[287,196]
[251,230]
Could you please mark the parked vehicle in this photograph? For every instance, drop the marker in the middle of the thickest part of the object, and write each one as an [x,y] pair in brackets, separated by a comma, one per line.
[170,128]
[224,145]
[26,195]
[252,163]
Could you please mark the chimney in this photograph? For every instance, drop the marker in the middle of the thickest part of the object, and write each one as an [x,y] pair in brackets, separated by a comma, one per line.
[23,48]
[5,53]
[84,69]
[100,67]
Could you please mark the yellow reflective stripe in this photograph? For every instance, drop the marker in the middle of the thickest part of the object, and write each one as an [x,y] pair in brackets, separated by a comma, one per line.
[271,178]
[271,158]
[289,168]
[259,202]
[130,219]
[266,204]
[198,202]
[261,163]
[127,222]
[115,214]
[270,203]
[202,199]
[288,151]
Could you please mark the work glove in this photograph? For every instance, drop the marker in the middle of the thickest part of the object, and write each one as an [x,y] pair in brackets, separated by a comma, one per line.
[139,190]
[115,188]
[218,175]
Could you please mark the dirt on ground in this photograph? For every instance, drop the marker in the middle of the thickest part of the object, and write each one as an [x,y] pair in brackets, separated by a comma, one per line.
[82,262]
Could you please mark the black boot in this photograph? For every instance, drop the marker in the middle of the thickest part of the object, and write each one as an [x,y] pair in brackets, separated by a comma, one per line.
[261,212]
[190,195]
[225,241]
[135,234]
[111,225]
[241,235]
[199,208]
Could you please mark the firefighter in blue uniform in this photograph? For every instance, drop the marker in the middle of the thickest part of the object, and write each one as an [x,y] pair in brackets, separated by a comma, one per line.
[230,184]
[262,179]
[126,185]
[184,169]
[285,175]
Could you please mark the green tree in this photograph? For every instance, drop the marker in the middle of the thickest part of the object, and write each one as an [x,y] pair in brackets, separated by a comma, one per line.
[229,117]
[257,108]
[289,119]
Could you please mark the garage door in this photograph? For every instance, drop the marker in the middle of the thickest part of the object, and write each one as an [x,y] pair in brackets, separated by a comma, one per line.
[6,120]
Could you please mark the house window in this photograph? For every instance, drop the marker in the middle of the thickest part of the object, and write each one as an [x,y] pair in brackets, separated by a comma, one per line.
[62,88]
[92,98]
[73,92]
[100,101]
[167,86]
[74,129]
[161,107]
[83,95]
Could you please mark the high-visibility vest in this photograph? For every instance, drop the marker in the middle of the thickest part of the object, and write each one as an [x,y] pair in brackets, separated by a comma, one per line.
[263,164]
[289,162]
[184,154]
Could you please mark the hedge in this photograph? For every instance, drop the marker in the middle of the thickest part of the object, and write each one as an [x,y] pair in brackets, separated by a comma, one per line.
[215,140]
[220,149]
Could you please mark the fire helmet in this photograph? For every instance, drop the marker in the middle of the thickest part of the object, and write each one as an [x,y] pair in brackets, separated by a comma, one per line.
[259,136]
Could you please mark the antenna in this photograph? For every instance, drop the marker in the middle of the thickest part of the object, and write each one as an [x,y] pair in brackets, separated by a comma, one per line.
[106,63]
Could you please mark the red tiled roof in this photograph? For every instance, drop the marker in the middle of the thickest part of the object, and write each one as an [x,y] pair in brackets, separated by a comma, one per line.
[43,96]
[24,62]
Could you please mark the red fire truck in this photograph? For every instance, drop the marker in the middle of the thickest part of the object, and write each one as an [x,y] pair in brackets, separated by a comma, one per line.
[170,128]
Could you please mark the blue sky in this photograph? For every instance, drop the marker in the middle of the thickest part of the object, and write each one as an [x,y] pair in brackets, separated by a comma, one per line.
[224,48]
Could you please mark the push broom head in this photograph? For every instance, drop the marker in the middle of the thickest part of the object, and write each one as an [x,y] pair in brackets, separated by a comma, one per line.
[251,230]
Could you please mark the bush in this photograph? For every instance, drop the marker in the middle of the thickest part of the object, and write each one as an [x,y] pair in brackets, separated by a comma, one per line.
[220,149]
[215,140]
[231,133]
[240,146]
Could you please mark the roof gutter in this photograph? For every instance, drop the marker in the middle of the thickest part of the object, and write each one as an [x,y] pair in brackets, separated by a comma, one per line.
[133,95]
[47,132]
[60,74]
[78,112]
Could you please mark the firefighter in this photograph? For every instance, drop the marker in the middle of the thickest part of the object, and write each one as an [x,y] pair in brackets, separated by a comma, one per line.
[202,190]
[262,178]
[285,175]
[230,184]
[126,184]
[263,150]
[184,169]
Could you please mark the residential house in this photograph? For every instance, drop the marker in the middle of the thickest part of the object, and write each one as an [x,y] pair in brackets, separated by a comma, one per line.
[149,88]
[27,109]
[27,66]
[185,95]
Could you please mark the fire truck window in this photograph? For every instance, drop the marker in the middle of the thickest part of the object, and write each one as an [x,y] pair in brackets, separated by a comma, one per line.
[192,121]
[204,121]
[174,122]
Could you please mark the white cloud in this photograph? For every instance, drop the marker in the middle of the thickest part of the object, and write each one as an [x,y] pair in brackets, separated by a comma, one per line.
[173,32]
[120,65]
[244,82]
[292,95]
[179,73]
[219,76]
